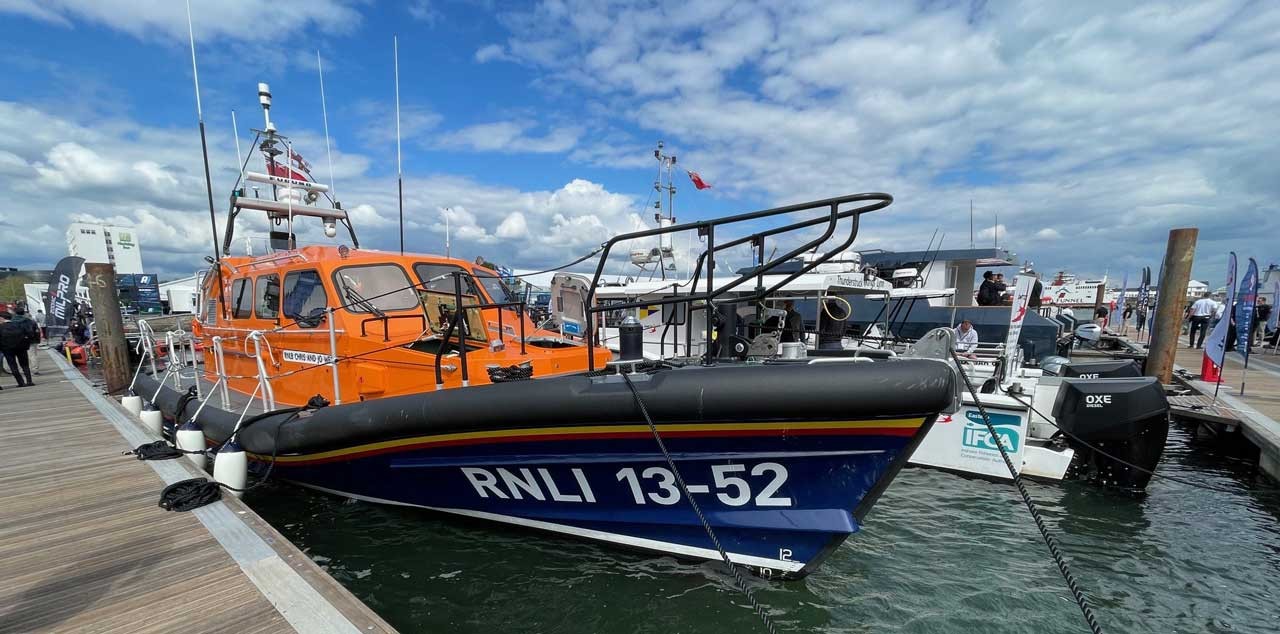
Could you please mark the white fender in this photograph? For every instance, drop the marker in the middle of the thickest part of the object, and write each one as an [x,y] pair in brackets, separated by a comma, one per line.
[231,467]
[190,437]
[132,403]
[153,420]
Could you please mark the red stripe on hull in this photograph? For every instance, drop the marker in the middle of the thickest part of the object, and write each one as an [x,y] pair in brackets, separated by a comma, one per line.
[872,431]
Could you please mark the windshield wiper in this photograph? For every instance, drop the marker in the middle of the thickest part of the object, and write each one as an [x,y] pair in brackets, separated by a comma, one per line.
[355,296]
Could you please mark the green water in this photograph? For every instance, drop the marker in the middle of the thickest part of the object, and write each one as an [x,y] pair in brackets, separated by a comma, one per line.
[939,553]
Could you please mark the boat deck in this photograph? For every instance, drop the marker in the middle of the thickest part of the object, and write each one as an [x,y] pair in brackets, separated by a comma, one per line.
[1256,411]
[85,548]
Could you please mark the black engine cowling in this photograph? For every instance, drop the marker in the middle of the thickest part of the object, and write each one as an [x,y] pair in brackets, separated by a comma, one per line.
[1126,417]
[1102,369]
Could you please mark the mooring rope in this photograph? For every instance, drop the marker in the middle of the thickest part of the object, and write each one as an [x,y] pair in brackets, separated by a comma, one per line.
[706,526]
[1049,540]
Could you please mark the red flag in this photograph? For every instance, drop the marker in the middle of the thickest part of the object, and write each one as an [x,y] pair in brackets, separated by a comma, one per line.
[300,163]
[697,181]
[285,171]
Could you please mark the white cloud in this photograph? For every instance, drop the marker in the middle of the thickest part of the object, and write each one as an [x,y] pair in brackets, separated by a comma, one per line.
[510,136]
[513,226]
[1121,118]
[121,172]
[490,52]
[423,11]
[214,19]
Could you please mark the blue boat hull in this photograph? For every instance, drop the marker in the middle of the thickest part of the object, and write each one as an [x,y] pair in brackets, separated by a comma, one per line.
[779,501]
[783,461]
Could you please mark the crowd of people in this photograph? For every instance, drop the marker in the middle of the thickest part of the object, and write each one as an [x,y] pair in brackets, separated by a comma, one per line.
[1203,315]
[19,335]
[994,291]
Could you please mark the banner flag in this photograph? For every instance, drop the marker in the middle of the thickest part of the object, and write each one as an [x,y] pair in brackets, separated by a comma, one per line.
[60,307]
[1215,347]
[1018,311]
[1247,296]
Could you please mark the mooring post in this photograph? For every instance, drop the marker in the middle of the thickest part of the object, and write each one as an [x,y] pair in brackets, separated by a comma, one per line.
[101,279]
[1170,302]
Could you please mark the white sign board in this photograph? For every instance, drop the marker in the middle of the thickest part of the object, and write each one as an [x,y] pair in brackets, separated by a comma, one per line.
[1018,312]
[962,442]
[308,358]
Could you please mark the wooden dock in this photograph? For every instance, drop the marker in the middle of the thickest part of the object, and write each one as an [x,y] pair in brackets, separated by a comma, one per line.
[85,548]
[1256,411]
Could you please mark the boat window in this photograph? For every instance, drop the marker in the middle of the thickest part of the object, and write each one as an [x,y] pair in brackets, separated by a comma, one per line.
[428,272]
[241,299]
[304,295]
[495,288]
[268,304]
[374,288]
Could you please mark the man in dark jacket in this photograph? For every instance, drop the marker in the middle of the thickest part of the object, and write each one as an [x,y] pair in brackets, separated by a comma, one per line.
[14,342]
[988,293]
[33,335]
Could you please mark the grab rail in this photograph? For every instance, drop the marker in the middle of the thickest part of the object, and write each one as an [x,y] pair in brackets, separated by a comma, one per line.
[456,321]
[707,228]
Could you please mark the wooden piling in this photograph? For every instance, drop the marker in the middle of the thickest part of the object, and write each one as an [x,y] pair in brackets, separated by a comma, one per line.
[108,325]
[1171,302]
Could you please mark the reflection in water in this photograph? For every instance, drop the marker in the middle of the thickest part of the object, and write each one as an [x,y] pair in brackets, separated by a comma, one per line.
[939,553]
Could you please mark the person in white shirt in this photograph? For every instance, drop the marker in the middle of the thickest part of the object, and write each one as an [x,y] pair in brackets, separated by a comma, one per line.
[966,340]
[1199,315]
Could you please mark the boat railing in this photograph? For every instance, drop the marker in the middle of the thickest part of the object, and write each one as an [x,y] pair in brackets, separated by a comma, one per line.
[457,321]
[257,338]
[707,229]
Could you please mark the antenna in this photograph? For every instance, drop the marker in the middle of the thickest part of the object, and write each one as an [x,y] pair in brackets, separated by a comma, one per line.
[324,112]
[997,230]
[447,212]
[235,132]
[204,151]
[395,45]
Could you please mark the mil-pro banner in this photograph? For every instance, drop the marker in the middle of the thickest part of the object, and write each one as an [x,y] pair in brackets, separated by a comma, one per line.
[60,307]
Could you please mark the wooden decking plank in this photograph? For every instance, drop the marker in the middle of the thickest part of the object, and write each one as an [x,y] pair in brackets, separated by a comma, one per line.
[85,548]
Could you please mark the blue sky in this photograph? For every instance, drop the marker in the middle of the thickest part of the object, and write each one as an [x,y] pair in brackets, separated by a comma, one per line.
[1090,129]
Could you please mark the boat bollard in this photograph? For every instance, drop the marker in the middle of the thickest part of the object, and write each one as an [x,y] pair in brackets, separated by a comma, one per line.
[231,467]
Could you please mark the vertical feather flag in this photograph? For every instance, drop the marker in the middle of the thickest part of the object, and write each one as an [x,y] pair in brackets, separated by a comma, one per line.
[1215,347]
[1248,296]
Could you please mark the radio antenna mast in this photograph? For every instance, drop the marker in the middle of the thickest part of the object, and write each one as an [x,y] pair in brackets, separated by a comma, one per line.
[204,151]
[324,112]
[395,44]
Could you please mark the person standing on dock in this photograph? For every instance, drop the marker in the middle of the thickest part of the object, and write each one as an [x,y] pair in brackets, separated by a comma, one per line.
[1261,313]
[966,340]
[33,334]
[1199,315]
[14,342]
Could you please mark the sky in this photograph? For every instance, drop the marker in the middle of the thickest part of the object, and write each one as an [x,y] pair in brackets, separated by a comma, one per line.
[1089,129]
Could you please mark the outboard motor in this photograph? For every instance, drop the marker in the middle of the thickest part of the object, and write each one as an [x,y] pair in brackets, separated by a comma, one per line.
[1127,418]
[1052,365]
[1105,369]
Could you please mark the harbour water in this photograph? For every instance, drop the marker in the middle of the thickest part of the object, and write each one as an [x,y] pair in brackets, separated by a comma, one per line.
[939,553]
